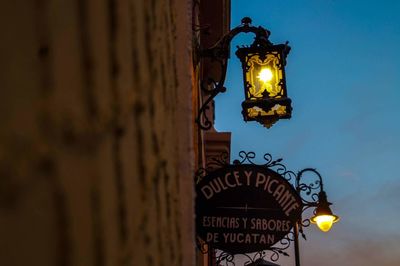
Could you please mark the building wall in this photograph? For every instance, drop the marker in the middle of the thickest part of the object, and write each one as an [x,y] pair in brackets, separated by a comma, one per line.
[96,133]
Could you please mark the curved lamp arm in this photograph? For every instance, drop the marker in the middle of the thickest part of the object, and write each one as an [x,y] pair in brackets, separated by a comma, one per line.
[309,187]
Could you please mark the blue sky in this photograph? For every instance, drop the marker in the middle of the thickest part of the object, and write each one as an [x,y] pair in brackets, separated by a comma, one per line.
[343,76]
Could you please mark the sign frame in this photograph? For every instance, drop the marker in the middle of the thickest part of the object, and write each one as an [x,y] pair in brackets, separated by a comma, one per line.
[247,161]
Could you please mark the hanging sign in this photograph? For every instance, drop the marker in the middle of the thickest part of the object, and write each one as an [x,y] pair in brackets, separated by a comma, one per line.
[245,208]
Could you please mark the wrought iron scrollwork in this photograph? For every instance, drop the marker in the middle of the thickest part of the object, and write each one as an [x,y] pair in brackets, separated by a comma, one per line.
[308,191]
[269,162]
[219,53]
[218,161]
[226,259]
[212,163]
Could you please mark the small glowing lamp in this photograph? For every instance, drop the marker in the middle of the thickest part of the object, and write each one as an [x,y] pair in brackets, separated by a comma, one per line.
[324,222]
[263,65]
[324,218]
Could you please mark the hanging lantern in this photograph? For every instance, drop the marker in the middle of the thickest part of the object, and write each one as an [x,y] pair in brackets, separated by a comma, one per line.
[263,66]
[265,91]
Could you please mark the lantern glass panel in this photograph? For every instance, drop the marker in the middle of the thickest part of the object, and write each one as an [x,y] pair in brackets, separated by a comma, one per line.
[264,76]
[256,111]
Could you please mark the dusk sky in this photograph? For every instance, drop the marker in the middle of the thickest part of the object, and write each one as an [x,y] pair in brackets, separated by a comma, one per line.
[343,76]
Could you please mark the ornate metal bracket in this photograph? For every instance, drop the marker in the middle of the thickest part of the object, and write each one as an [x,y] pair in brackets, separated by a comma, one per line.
[220,53]
[309,193]
[309,187]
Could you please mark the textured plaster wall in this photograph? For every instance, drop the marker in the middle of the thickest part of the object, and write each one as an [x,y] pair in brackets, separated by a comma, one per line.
[96,154]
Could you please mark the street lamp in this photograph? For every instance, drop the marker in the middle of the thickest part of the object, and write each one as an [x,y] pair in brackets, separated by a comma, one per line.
[323,216]
[263,66]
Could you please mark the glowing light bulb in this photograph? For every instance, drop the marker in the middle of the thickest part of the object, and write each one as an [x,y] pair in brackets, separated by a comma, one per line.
[324,222]
[265,75]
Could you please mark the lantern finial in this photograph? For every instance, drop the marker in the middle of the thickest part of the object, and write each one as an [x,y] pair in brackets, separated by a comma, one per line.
[246,21]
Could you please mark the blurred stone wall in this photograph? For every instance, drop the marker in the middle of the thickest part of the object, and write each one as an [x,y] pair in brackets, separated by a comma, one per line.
[96,133]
